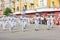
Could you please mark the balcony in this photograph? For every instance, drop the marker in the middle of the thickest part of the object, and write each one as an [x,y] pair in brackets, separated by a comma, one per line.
[41,10]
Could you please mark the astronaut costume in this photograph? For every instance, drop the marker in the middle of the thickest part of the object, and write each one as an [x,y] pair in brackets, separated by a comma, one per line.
[50,22]
[12,22]
[23,23]
[36,23]
[1,21]
[4,22]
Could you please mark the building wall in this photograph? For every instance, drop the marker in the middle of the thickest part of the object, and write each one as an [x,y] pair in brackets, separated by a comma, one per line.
[13,5]
[42,3]
[53,3]
[4,4]
[18,5]
[35,4]
[21,5]
[0,5]
[29,4]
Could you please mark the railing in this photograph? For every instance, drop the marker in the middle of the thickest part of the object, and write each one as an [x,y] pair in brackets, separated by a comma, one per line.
[44,9]
[40,10]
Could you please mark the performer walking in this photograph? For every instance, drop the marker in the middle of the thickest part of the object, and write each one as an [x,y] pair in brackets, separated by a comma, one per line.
[36,22]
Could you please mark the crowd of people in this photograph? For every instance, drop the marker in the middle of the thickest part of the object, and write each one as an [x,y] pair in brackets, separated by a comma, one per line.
[24,21]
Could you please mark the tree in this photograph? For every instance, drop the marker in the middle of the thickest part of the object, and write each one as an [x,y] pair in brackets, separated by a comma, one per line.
[7,11]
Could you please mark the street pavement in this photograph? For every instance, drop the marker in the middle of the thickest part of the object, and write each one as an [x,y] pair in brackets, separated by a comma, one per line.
[31,34]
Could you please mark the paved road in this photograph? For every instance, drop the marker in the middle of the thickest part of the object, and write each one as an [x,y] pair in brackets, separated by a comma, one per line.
[31,34]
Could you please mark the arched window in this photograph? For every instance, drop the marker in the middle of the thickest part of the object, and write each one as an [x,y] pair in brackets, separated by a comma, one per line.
[53,4]
[25,6]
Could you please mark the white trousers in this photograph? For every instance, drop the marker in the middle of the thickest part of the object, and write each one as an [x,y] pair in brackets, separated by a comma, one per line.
[12,25]
[48,25]
[36,25]
[23,24]
[52,24]
[4,25]
[0,24]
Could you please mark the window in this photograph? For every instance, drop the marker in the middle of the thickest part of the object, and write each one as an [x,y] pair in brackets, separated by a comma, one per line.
[59,2]
[53,4]
[25,6]
[24,2]
[0,6]
[17,8]
[41,3]
[14,9]
[32,5]
[31,1]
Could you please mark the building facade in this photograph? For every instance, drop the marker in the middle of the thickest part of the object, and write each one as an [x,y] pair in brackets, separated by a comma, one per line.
[34,4]
[4,4]
[19,5]
[53,3]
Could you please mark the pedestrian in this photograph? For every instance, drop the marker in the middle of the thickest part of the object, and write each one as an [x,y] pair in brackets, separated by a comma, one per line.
[45,21]
[0,21]
[52,21]
[23,22]
[36,18]
[12,23]
[4,22]
[42,20]
[48,22]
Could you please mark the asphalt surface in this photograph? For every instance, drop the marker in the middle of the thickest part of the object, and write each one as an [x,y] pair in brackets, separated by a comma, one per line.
[31,34]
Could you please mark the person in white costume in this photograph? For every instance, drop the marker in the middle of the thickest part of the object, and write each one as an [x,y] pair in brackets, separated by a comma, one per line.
[1,21]
[12,23]
[50,22]
[4,18]
[36,23]
[41,19]
[23,22]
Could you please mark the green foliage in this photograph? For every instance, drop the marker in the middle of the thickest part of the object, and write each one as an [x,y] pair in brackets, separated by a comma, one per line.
[7,11]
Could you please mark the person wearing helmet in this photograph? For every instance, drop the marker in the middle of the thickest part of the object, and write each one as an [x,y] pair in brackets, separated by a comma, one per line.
[23,22]
[36,18]
[4,18]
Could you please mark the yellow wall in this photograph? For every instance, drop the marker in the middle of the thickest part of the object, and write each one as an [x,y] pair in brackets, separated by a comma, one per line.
[48,3]
[56,3]
[13,4]
[21,5]
[35,4]
[28,4]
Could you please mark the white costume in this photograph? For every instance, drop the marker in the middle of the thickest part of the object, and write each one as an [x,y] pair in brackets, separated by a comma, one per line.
[50,22]
[23,23]
[36,22]
[4,22]
[41,20]
[12,23]
[1,22]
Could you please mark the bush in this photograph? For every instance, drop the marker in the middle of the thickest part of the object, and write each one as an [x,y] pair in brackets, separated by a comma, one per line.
[7,11]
